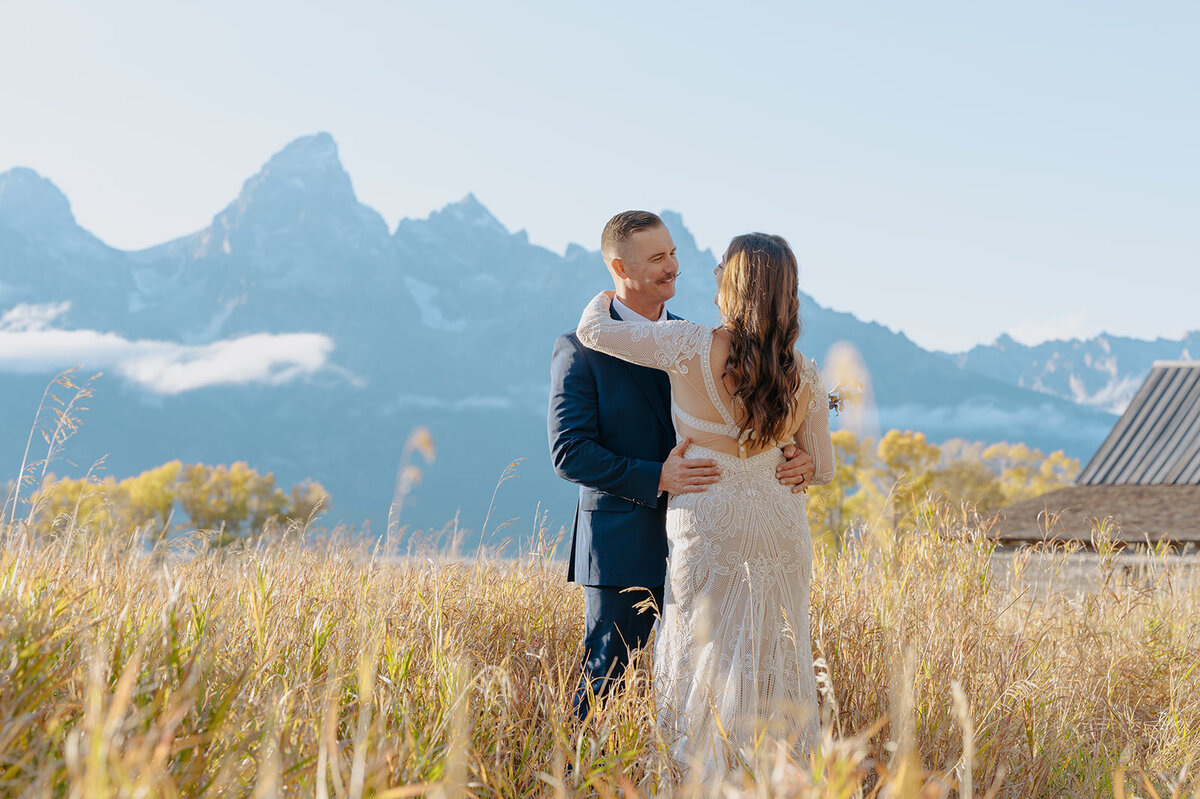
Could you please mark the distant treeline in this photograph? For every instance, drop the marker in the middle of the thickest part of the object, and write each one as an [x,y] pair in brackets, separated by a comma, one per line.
[887,481]
[876,482]
[235,500]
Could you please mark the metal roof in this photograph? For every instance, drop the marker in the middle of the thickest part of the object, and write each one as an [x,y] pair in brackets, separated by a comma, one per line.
[1157,439]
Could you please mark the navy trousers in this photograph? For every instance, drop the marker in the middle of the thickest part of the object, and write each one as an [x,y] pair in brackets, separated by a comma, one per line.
[613,629]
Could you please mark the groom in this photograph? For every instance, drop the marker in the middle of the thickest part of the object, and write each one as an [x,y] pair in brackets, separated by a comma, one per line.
[611,433]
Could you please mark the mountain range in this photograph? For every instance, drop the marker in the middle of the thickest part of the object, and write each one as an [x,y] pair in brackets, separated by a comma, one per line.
[300,334]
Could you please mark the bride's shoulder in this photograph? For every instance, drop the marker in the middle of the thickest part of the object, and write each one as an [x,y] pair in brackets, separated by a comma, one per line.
[721,340]
[809,371]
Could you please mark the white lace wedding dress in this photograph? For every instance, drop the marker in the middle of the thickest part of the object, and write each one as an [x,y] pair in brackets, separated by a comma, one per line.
[733,657]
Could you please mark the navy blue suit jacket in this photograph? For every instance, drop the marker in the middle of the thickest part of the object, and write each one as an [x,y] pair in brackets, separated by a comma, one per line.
[610,431]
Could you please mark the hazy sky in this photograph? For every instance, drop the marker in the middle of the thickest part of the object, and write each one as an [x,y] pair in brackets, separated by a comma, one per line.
[950,169]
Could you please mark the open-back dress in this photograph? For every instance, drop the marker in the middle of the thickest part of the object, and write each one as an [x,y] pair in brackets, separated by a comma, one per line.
[732,657]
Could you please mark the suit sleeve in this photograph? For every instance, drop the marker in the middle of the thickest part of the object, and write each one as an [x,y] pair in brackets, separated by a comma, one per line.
[573,424]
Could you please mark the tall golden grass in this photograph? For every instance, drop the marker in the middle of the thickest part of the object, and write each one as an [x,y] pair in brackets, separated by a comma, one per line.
[299,665]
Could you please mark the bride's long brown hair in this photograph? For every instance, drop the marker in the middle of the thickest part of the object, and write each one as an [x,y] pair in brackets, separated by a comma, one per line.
[758,297]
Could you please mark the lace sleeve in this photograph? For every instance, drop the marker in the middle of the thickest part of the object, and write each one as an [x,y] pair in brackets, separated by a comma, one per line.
[672,346]
[813,436]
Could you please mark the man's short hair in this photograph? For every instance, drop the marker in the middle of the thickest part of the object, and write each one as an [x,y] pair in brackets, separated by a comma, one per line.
[621,227]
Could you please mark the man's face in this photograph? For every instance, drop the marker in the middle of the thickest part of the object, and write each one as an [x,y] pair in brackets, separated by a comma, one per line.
[648,263]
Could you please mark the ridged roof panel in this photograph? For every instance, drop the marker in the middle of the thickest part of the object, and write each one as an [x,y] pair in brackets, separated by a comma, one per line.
[1157,440]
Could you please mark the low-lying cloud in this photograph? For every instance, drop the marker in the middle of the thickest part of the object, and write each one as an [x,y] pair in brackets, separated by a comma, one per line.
[28,345]
[32,317]
[987,422]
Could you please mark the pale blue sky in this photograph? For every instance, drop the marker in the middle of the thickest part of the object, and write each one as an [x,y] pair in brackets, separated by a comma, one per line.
[950,169]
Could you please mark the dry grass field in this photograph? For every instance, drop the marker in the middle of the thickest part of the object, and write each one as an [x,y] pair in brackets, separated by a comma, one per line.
[305,665]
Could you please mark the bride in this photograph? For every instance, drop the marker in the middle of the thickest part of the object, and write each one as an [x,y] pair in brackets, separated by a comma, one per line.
[733,657]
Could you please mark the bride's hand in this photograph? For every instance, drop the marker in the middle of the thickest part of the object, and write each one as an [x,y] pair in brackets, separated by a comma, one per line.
[796,470]
[611,294]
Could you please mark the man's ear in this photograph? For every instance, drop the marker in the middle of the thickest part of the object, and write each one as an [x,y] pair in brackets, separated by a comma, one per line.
[618,268]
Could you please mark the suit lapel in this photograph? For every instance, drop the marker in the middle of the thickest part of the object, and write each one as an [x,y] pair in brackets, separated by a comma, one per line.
[653,383]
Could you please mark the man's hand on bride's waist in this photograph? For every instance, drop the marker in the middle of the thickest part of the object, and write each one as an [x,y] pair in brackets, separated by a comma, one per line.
[687,475]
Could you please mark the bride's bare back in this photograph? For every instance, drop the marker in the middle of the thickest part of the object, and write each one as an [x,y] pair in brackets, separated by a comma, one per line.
[694,357]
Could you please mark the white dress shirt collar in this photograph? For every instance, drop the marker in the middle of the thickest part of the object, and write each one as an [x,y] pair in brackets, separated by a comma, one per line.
[630,315]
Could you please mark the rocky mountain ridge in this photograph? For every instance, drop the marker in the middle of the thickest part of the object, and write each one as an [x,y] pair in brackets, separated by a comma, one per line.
[445,322]
[1103,372]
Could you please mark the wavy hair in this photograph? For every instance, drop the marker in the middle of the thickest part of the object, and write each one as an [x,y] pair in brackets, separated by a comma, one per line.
[759,300]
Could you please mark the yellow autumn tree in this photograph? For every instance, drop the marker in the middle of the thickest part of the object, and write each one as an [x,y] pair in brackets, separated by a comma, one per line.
[969,482]
[1025,472]
[307,500]
[835,507]
[86,501]
[907,461]
[150,496]
[880,486]
[236,500]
